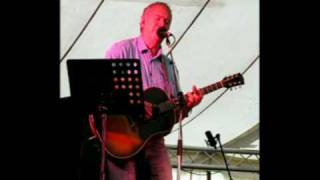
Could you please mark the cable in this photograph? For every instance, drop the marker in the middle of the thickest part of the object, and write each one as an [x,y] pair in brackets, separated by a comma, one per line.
[83,29]
[194,117]
[258,56]
[94,129]
[195,18]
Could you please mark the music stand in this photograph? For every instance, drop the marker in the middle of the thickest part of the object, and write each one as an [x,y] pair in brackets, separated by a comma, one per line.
[109,87]
[115,83]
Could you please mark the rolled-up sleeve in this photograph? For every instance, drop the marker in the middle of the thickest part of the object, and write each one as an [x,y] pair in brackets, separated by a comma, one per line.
[114,52]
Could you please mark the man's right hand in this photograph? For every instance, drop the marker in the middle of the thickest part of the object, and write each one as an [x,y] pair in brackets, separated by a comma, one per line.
[148,110]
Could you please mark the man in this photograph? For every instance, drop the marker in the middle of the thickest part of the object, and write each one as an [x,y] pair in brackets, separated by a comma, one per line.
[157,71]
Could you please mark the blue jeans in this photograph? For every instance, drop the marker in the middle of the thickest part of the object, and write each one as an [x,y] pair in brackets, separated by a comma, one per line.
[155,155]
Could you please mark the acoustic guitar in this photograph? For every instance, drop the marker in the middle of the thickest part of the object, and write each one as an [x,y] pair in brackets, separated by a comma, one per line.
[125,136]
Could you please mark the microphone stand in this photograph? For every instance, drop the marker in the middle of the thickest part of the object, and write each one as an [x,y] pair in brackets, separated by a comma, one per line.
[181,103]
[102,112]
[179,148]
[103,115]
[224,158]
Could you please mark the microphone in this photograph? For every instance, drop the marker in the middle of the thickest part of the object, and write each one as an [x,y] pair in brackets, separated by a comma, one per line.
[163,33]
[211,140]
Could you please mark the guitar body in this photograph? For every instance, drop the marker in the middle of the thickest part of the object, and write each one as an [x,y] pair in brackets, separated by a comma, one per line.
[126,136]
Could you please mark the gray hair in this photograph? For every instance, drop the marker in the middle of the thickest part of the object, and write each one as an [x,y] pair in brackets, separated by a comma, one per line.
[158,3]
[155,4]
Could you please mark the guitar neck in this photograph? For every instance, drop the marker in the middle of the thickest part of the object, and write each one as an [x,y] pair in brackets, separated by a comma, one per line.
[212,87]
[227,82]
[168,105]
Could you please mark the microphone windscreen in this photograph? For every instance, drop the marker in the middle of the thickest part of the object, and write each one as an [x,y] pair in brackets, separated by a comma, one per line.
[162,32]
[211,140]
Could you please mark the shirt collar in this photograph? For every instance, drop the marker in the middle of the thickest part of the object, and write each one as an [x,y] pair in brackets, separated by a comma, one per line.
[144,49]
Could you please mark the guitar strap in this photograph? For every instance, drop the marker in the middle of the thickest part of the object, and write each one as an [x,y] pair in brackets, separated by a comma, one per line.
[170,65]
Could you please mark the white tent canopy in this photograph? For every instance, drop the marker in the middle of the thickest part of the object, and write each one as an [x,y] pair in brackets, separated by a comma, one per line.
[224,40]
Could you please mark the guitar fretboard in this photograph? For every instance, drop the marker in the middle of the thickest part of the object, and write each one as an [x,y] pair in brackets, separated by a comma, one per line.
[212,87]
[171,104]
[227,82]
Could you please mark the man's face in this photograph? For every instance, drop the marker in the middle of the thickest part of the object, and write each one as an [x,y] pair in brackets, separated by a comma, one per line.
[155,18]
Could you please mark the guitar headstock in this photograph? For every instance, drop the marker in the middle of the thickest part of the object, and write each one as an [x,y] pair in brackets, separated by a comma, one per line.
[233,80]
